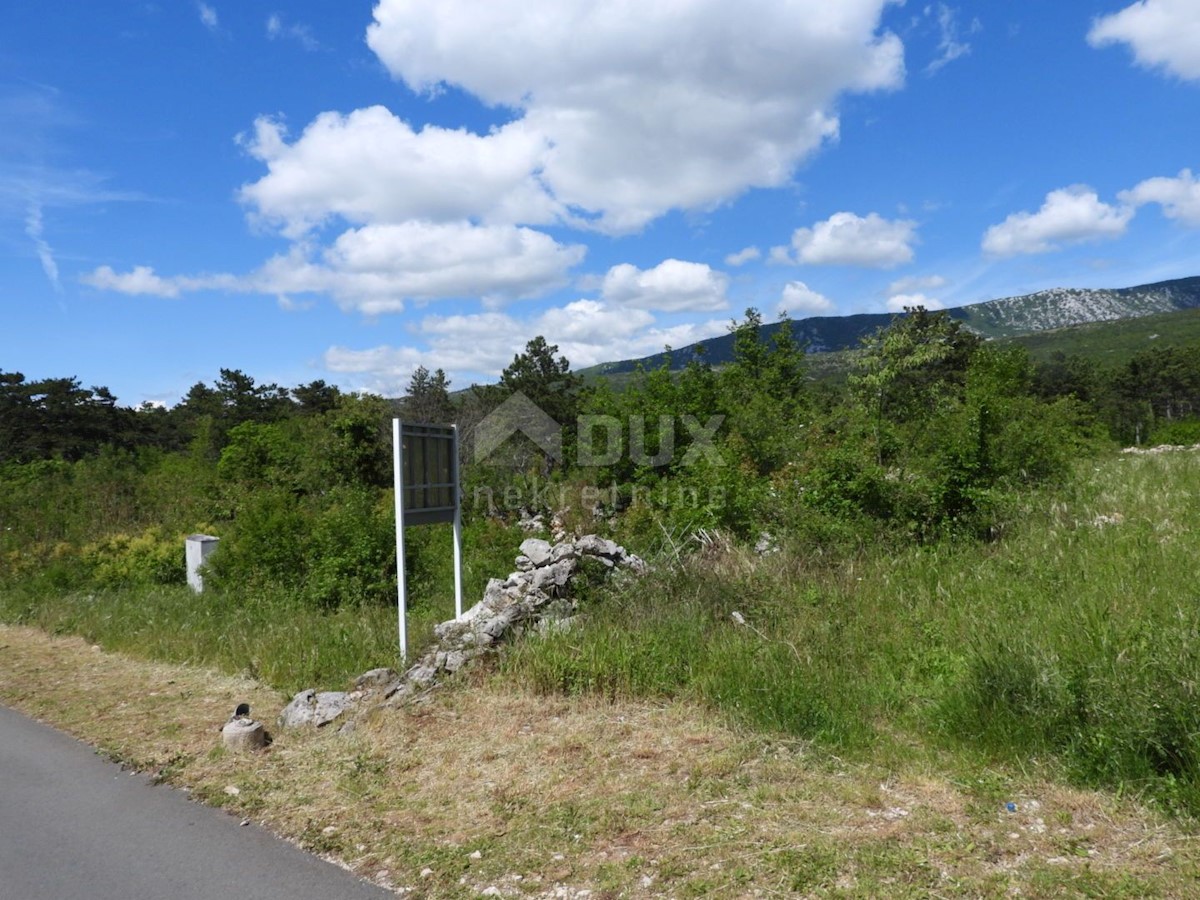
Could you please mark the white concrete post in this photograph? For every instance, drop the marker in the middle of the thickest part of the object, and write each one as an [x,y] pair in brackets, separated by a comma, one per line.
[199,548]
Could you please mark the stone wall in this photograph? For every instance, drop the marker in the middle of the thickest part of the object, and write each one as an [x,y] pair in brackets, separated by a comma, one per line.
[537,592]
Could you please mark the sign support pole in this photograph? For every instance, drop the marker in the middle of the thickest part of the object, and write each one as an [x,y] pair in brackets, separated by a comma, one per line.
[433,497]
[401,585]
[458,610]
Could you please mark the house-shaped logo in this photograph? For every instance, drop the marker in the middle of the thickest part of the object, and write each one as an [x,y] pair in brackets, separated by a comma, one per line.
[518,415]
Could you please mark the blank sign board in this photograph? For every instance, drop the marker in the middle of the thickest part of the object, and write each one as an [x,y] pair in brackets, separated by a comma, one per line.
[429,473]
[425,473]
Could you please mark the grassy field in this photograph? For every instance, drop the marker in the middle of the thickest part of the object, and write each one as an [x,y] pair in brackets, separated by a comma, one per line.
[1074,638]
[271,634]
[488,786]
[799,723]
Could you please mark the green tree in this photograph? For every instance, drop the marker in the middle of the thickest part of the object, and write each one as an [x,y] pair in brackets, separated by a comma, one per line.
[911,368]
[1066,375]
[765,393]
[428,397]
[1168,378]
[358,448]
[234,398]
[544,378]
[316,397]
[59,418]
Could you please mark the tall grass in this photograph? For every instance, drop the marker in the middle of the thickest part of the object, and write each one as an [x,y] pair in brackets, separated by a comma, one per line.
[1076,638]
[96,548]
[268,636]
[673,633]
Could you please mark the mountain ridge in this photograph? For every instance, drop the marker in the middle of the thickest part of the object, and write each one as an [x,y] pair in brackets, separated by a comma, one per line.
[1004,317]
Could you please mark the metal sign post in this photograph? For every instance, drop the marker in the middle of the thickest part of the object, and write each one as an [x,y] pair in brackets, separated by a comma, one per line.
[425,477]
[398,484]
[458,610]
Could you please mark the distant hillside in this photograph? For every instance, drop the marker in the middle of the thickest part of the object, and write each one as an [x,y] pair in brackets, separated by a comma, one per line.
[1010,317]
[820,334]
[1114,343]
[1063,307]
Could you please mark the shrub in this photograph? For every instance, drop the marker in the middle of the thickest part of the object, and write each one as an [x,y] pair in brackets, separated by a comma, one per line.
[265,544]
[350,555]
[1179,431]
[152,557]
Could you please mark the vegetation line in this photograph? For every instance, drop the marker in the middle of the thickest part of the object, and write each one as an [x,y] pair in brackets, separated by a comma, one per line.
[941,554]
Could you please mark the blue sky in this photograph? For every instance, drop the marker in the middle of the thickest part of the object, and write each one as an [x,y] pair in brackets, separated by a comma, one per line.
[346,191]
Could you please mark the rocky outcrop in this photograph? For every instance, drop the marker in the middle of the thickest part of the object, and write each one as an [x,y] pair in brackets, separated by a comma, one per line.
[315,708]
[537,593]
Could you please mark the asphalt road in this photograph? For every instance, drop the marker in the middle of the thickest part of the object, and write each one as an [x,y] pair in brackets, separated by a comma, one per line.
[73,825]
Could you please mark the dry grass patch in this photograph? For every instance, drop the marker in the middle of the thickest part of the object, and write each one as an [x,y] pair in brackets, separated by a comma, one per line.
[483,787]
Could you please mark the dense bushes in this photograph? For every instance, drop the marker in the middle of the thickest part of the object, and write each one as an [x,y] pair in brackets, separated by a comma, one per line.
[937,435]
[121,560]
[1072,642]
[303,509]
[886,602]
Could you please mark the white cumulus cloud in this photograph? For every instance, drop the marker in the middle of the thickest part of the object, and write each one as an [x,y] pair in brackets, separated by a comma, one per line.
[377,268]
[671,286]
[370,166]
[423,260]
[915,283]
[743,256]
[846,239]
[470,347]
[1163,34]
[1069,215]
[144,281]
[139,280]
[618,114]
[611,115]
[799,300]
[650,107]
[1179,197]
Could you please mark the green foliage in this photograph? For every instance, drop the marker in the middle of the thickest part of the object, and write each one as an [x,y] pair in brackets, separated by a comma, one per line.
[356,445]
[264,544]
[316,397]
[351,551]
[1065,375]
[1112,344]
[428,397]
[120,560]
[256,453]
[884,611]
[1180,432]
[545,379]
[915,366]
[59,418]
[1073,640]
[764,393]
